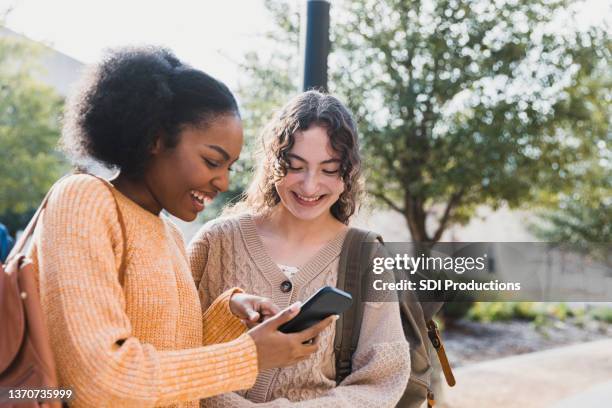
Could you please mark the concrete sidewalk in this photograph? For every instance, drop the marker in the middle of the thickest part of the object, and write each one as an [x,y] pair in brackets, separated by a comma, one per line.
[569,376]
[597,396]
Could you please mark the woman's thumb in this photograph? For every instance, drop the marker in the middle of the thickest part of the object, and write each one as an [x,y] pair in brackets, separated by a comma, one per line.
[253,315]
[286,315]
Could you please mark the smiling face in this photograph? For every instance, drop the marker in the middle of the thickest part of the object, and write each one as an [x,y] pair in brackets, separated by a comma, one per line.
[313,182]
[184,178]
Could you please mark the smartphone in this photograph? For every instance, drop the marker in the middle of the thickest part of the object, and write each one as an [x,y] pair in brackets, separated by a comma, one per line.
[325,302]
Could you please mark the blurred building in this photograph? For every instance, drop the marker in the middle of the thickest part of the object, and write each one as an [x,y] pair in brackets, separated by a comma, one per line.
[502,225]
[57,70]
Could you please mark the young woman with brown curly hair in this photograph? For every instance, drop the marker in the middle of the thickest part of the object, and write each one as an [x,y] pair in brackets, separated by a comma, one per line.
[283,241]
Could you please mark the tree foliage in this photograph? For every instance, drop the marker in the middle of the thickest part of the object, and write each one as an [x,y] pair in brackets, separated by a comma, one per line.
[582,214]
[29,131]
[271,75]
[459,103]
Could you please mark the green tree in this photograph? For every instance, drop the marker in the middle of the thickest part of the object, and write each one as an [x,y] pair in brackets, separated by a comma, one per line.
[29,131]
[582,218]
[459,103]
[271,74]
[582,214]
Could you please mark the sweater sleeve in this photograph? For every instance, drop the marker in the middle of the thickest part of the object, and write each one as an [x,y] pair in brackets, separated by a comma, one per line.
[220,324]
[91,336]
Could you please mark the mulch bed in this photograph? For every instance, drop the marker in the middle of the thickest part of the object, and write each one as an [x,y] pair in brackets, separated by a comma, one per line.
[468,342]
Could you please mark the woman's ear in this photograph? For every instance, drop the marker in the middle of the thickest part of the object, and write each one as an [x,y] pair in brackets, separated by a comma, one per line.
[157,146]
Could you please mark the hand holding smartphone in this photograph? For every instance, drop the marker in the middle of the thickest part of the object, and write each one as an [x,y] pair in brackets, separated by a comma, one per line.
[325,302]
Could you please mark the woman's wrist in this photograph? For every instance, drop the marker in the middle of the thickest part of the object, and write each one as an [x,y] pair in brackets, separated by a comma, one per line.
[232,304]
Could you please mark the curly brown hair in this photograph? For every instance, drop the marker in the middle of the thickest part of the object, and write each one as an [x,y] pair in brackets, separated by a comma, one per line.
[311,108]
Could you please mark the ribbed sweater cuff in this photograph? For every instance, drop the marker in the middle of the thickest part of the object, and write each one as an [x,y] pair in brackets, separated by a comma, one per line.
[220,324]
[204,372]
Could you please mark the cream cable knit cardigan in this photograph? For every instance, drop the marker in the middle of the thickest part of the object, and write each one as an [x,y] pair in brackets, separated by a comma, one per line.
[229,252]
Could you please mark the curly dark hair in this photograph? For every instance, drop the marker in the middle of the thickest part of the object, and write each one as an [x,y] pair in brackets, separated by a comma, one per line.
[132,98]
[311,108]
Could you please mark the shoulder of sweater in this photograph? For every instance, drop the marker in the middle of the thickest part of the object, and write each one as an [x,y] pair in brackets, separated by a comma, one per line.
[80,181]
[219,226]
[84,202]
[80,190]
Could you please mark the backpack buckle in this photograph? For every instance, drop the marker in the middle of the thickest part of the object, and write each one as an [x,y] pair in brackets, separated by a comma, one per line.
[436,341]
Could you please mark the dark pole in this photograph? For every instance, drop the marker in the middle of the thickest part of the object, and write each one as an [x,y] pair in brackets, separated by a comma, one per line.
[317,45]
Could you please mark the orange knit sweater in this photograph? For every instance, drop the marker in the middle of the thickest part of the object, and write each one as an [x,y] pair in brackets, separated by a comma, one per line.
[146,343]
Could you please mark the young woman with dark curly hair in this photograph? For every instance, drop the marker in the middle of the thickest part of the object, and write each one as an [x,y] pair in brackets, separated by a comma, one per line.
[284,241]
[125,321]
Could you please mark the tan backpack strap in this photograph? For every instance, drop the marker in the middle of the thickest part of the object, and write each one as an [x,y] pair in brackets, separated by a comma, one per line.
[431,401]
[348,326]
[29,229]
[344,324]
[436,340]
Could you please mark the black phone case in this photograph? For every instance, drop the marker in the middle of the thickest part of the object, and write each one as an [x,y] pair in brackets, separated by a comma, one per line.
[325,302]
